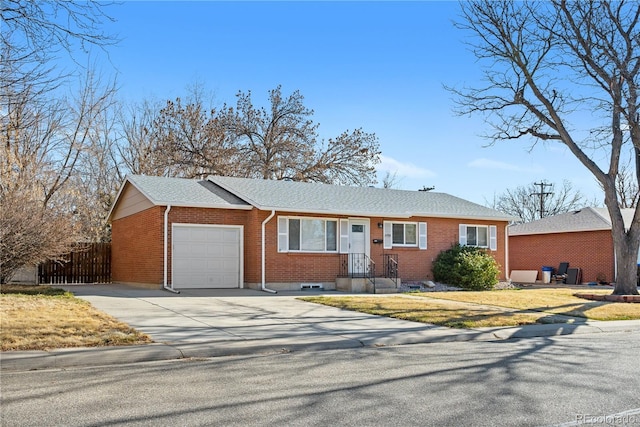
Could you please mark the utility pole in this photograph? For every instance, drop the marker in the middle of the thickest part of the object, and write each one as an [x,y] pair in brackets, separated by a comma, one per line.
[542,194]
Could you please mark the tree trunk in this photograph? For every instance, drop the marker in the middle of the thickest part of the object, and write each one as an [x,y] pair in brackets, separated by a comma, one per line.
[626,254]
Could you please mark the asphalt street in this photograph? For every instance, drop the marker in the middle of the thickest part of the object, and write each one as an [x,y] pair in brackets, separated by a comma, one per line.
[588,379]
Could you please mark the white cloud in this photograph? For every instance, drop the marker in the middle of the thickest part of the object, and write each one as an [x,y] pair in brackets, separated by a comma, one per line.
[409,170]
[484,163]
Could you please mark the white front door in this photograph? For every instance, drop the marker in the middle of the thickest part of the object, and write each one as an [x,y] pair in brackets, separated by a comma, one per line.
[358,246]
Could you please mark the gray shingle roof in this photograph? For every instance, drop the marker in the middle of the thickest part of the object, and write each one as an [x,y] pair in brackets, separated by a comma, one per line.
[185,192]
[364,201]
[586,219]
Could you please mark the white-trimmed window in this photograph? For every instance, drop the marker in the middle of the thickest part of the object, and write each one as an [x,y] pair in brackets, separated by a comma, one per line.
[482,236]
[405,234]
[296,234]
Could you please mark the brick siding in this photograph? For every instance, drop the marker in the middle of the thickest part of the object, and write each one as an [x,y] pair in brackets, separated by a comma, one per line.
[138,246]
[591,251]
[413,264]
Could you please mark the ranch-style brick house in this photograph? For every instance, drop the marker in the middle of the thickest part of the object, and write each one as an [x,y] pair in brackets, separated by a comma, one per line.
[224,232]
[582,238]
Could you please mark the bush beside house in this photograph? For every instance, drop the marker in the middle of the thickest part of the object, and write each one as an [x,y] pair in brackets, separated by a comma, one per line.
[469,267]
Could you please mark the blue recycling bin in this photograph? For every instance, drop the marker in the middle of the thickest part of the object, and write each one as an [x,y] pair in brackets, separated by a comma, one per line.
[546,274]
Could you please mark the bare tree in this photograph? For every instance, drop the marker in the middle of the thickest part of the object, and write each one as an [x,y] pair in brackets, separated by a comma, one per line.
[98,175]
[177,139]
[564,72]
[30,233]
[627,187]
[525,201]
[33,33]
[281,142]
[278,142]
[44,134]
[196,140]
[138,152]
[390,180]
[43,142]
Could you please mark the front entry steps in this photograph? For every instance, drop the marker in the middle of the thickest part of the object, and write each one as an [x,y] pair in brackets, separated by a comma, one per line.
[363,285]
[383,286]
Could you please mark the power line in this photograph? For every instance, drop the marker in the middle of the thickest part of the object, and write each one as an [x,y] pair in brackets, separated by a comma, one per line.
[542,194]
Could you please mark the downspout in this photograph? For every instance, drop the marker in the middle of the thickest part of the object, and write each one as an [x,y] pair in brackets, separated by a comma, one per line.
[166,251]
[264,255]
[506,253]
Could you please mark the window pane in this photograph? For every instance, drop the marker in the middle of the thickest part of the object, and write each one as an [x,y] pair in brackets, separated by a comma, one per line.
[312,235]
[294,234]
[398,234]
[332,235]
[471,236]
[410,234]
[482,237]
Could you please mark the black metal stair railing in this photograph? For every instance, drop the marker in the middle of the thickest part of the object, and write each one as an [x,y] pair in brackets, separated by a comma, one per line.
[362,266]
[358,266]
[391,267]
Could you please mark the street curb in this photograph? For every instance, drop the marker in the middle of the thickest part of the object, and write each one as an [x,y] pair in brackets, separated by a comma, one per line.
[85,356]
[13,361]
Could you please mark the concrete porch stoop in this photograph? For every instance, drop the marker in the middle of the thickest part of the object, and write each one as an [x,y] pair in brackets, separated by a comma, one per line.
[362,285]
[383,286]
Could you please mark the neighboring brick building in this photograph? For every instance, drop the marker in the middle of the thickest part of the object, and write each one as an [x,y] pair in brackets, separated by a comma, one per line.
[581,238]
[234,232]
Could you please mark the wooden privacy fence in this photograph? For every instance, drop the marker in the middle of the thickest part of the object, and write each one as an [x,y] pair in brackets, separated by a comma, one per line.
[90,263]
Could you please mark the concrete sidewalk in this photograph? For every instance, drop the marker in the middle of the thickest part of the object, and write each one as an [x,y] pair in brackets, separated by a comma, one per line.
[210,323]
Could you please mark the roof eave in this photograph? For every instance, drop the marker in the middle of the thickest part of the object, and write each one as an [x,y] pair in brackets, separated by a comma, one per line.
[168,202]
[558,231]
[330,212]
[403,215]
[470,217]
[203,205]
[117,198]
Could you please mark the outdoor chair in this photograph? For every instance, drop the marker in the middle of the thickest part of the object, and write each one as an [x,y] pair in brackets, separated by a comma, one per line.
[574,276]
[561,273]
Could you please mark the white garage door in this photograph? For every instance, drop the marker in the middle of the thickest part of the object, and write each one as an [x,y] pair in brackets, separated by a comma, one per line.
[206,256]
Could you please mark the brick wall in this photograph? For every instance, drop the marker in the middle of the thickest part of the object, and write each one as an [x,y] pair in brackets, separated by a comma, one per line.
[137,248]
[413,263]
[591,251]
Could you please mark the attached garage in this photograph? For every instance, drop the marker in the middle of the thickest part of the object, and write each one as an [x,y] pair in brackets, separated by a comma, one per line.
[207,256]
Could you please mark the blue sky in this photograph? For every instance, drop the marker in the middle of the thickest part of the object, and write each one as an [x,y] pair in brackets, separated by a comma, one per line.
[380,66]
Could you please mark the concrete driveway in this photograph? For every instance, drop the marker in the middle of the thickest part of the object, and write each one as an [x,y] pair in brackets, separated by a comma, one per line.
[199,316]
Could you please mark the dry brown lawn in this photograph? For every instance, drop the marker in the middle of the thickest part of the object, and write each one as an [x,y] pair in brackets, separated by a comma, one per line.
[552,300]
[488,308]
[42,318]
[452,314]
